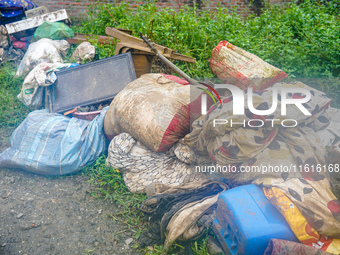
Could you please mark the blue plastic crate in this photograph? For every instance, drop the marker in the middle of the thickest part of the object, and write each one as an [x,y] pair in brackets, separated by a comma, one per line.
[246,221]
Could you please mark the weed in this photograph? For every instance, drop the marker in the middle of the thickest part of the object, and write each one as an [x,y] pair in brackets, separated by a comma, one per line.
[12,111]
[300,39]
[109,184]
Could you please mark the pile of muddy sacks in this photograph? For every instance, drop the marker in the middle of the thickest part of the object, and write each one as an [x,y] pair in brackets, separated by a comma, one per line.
[158,136]
[150,122]
[156,123]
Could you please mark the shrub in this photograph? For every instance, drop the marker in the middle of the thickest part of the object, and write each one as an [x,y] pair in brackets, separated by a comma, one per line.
[303,40]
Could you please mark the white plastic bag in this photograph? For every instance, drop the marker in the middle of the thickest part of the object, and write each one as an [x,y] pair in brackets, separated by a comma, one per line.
[42,75]
[3,37]
[44,50]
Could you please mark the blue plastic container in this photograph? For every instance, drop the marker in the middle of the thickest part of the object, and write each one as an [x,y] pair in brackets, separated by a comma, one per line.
[246,221]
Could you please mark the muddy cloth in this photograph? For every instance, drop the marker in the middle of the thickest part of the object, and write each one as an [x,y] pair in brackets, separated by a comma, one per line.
[299,225]
[331,134]
[142,167]
[300,146]
[179,212]
[284,247]
[53,144]
[3,37]
[13,55]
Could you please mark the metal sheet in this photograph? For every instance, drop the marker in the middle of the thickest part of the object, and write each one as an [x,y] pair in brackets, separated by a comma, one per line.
[92,83]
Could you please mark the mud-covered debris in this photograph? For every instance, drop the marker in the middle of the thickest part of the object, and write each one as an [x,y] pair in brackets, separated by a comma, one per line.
[25,225]
[20,215]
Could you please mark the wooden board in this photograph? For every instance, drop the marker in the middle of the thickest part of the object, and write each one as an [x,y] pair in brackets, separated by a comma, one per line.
[36,21]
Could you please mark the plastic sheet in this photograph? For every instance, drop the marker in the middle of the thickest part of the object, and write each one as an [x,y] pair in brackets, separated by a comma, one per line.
[45,50]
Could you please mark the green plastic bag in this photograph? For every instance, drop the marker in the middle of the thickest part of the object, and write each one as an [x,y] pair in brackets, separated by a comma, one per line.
[53,30]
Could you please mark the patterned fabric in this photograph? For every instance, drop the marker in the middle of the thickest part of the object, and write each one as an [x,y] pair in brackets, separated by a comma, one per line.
[141,167]
[283,247]
[299,146]
[12,8]
[299,225]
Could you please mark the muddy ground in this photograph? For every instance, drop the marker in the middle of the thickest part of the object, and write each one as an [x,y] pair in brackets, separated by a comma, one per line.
[44,215]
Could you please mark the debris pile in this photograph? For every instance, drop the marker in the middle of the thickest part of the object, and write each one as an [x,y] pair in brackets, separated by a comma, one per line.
[161,139]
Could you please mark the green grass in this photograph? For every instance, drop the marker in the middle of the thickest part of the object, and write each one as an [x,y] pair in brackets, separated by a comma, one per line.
[12,111]
[109,184]
[302,40]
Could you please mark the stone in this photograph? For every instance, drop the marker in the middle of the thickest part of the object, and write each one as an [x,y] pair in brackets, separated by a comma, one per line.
[128,241]
[20,215]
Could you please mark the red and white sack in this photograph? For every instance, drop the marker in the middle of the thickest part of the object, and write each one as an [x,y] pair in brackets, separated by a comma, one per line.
[236,66]
[154,110]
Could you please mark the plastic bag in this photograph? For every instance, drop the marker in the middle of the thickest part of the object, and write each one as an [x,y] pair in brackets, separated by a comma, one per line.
[53,30]
[53,144]
[236,66]
[41,76]
[45,50]
[3,37]
[84,52]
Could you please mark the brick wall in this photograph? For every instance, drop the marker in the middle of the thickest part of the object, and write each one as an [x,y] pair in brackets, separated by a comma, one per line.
[78,8]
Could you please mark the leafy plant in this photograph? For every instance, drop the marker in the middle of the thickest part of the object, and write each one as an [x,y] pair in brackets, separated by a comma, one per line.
[12,111]
[300,39]
[109,184]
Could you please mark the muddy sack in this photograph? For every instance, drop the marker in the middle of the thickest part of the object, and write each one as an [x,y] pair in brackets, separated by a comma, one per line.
[153,109]
[84,52]
[236,66]
[53,144]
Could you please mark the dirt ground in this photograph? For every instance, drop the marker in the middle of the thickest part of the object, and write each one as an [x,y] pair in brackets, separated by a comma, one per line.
[44,215]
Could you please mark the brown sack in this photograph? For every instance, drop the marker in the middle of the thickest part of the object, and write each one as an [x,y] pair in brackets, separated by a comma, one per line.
[236,66]
[153,109]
